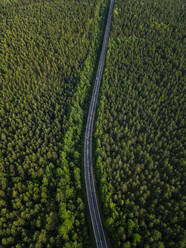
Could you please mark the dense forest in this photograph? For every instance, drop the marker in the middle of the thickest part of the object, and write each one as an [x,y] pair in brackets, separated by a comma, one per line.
[140,128]
[47,55]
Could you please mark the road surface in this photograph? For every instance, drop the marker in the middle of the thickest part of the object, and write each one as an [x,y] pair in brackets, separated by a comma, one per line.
[89,177]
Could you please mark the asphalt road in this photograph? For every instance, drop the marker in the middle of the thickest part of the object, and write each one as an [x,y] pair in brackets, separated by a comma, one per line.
[89,177]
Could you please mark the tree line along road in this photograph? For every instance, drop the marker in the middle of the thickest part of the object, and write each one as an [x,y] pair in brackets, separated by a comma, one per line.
[88,169]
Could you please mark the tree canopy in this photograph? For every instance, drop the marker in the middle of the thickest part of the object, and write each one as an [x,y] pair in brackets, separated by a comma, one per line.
[140,126]
[46,48]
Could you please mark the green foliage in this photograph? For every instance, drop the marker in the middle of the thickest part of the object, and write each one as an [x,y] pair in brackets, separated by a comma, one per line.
[47,48]
[140,126]
[136,239]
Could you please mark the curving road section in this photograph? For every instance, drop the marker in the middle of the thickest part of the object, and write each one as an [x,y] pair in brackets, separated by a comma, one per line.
[88,169]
